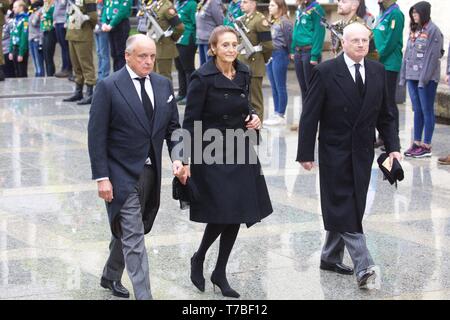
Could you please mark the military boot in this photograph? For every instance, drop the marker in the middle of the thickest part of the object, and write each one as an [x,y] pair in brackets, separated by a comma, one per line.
[77,95]
[89,93]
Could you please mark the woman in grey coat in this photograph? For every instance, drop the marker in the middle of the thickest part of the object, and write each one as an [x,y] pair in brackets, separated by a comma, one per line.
[421,70]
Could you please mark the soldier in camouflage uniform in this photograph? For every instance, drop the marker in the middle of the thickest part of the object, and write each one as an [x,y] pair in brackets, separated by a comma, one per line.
[166,49]
[4,5]
[81,41]
[258,32]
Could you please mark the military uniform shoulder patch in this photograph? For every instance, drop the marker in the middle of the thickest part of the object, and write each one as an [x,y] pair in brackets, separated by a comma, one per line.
[172,11]
[265,23]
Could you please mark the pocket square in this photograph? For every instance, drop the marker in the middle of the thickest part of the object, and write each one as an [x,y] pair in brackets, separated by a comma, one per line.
[170,98]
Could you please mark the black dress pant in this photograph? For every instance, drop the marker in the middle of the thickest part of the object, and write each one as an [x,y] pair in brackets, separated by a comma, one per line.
[8,67]
[48,48]
[185,64]
[20,68]
[117,42]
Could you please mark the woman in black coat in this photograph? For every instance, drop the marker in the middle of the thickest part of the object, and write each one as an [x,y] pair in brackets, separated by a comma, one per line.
[231,186]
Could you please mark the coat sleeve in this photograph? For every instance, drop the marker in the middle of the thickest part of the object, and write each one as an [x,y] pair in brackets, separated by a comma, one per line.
[217,13]
[195,100]
[98,131]
[318,36]
[433,57]
[386,123]
[124,13]
[173,126]
[310,118]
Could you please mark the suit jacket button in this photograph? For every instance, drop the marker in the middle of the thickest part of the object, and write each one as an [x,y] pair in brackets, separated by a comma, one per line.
[242,95]
[225,95]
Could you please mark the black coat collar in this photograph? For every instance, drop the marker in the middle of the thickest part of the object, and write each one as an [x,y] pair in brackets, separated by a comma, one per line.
[209,68]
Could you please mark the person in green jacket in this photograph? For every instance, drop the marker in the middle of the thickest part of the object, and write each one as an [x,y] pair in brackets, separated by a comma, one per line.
[49,41]
[233,9]
[115,20]
[388,36]
[307,41]
[18,48]
[185,62]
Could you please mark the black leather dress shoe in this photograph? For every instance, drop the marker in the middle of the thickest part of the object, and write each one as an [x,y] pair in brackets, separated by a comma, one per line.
[116,287]
[336,267]
[366,277]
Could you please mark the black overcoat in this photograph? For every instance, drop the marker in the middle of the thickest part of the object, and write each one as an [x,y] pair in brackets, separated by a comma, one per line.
[346,137]
[230,192]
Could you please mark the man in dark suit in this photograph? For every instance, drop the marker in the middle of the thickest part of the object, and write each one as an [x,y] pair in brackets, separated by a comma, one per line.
[132,112]
[347,95]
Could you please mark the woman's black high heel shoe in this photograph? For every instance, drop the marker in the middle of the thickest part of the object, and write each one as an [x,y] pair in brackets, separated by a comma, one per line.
[223,285]
[197,273]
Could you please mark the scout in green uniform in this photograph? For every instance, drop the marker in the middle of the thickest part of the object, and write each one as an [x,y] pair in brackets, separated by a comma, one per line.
[80,35]
[388,36]
[258,32]
[348,10]
[115,20]
[185,62]
[18,47]
[233,9]
[166,50]
[4,5]
[49,41]
[307,42]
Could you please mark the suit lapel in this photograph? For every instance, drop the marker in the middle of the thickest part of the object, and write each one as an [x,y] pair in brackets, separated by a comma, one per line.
[128,91]
[159,96]
[346,83]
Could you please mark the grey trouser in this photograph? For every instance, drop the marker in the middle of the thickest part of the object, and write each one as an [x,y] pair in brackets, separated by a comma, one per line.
[130,249]
[333,249]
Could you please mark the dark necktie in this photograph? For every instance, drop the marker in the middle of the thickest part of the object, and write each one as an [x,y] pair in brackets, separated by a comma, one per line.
[146,102]
[359,80]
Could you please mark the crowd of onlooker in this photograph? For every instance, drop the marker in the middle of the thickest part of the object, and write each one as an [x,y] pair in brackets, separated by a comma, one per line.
[36,27]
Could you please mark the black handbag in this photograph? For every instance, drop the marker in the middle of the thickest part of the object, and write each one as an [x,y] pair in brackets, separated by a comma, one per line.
[392,173]
[185,193]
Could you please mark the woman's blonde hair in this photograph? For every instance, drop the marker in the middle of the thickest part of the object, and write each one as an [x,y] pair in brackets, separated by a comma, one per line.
[214,38]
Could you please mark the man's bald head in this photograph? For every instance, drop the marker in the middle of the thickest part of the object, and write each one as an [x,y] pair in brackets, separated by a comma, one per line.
[355,41]
[356,28]
[135,39]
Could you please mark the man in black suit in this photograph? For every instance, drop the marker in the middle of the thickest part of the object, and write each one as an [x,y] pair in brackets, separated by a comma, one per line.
[347,96]
[132,112]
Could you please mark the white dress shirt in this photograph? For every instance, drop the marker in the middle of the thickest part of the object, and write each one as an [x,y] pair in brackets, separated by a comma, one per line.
[137,85]
[351,67]
[149,90]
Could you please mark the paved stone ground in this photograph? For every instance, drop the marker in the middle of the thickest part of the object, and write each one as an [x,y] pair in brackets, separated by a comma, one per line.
[54,232]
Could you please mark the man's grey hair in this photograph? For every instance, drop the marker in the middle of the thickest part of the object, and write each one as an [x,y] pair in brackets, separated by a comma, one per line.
[352,27]
[132,40]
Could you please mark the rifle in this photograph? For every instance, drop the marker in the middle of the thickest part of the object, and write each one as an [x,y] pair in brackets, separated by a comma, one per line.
[334,32]
[245,47]
[76,17]
[154,29]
